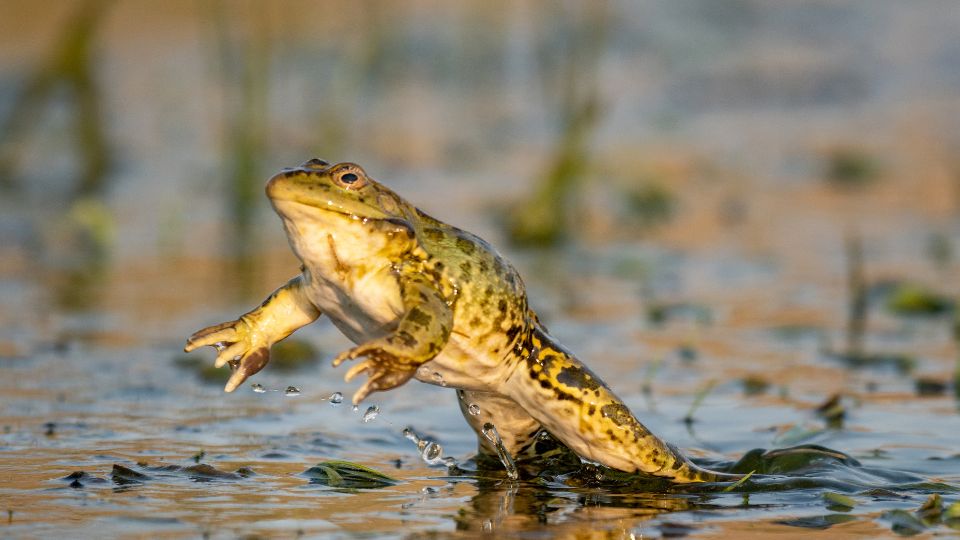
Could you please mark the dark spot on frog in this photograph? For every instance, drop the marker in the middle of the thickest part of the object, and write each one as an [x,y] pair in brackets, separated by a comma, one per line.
[475,322]
[576,377]
[419,317]
[466,246]
[484,266]
[565,396]
[502,305]
[617,413]
[404,338]
[498,265]
[545,384]
[466,267]
[435,235]
[315,163]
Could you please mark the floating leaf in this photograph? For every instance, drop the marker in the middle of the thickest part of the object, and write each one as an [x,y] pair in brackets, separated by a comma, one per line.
[837,499]
[124,475]
[345,474]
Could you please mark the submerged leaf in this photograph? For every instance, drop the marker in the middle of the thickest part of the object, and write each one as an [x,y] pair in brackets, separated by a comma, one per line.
[904,523]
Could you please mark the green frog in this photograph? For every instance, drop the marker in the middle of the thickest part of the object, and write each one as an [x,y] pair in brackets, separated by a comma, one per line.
[424,300]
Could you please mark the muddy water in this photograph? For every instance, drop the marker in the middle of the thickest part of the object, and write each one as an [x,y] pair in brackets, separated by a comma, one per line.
[731,312]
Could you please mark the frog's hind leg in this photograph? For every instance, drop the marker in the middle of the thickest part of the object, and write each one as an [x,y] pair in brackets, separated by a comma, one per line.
[517,429]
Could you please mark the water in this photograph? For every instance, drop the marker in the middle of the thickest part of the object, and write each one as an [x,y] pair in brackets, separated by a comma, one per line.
[490,432]
[371,413]
[291,391]
[704,277]
[430,452]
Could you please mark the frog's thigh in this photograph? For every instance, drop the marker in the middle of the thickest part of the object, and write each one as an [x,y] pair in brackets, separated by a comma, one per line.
[517,429]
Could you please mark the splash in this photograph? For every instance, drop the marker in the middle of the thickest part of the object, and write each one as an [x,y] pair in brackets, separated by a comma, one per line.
[490,432]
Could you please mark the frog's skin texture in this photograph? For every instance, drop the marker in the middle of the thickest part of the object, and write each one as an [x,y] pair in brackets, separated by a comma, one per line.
[425,300]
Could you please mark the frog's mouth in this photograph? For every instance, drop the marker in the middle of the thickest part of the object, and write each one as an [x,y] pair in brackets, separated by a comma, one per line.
[283,189]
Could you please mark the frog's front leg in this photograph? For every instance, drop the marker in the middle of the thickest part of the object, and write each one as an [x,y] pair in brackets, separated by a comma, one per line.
[422,332]
[245,343]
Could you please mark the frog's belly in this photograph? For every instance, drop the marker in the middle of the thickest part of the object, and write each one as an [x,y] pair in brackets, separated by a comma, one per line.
[370,309]
[463,366]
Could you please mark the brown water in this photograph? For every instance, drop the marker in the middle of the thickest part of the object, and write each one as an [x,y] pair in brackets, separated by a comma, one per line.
[735,113]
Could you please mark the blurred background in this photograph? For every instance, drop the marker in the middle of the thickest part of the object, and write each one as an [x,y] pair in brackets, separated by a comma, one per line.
[755,199]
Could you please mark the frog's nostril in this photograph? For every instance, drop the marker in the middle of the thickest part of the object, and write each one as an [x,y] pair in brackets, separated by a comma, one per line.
[315,163]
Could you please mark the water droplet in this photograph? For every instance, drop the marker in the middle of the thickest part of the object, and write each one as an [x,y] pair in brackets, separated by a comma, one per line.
[258,388]
[356,408]
[371,414]
[431,453]
[291,391]
[427,490]
[438,378]
[474,409]
[490,432]
[219,346]
[488,525]
[336,398]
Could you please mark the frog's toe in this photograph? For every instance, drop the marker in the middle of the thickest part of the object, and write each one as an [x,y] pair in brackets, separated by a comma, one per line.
[357,370]
[248,365]
[211,335]
[233,352]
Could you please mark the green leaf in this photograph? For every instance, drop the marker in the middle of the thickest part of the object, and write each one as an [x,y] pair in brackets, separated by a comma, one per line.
[738,483]
[346,474]
[836,499]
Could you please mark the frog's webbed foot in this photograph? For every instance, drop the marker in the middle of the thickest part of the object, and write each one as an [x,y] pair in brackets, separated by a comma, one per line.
[236,345]
[385,369]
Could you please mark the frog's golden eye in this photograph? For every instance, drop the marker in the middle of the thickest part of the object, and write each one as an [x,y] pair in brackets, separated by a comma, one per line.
[350,177]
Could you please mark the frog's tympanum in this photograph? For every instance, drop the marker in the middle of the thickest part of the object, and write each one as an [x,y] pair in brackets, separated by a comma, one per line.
[426,300]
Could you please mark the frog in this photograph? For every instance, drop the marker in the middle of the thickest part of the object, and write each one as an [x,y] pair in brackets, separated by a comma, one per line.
[425,300]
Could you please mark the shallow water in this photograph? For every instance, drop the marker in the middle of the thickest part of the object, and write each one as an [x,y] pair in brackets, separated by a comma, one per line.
[730,312]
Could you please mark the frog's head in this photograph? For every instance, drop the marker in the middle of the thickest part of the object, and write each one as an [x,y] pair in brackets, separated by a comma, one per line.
[336,216]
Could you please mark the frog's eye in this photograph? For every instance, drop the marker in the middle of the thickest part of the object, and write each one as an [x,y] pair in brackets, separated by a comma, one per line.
[350,177]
